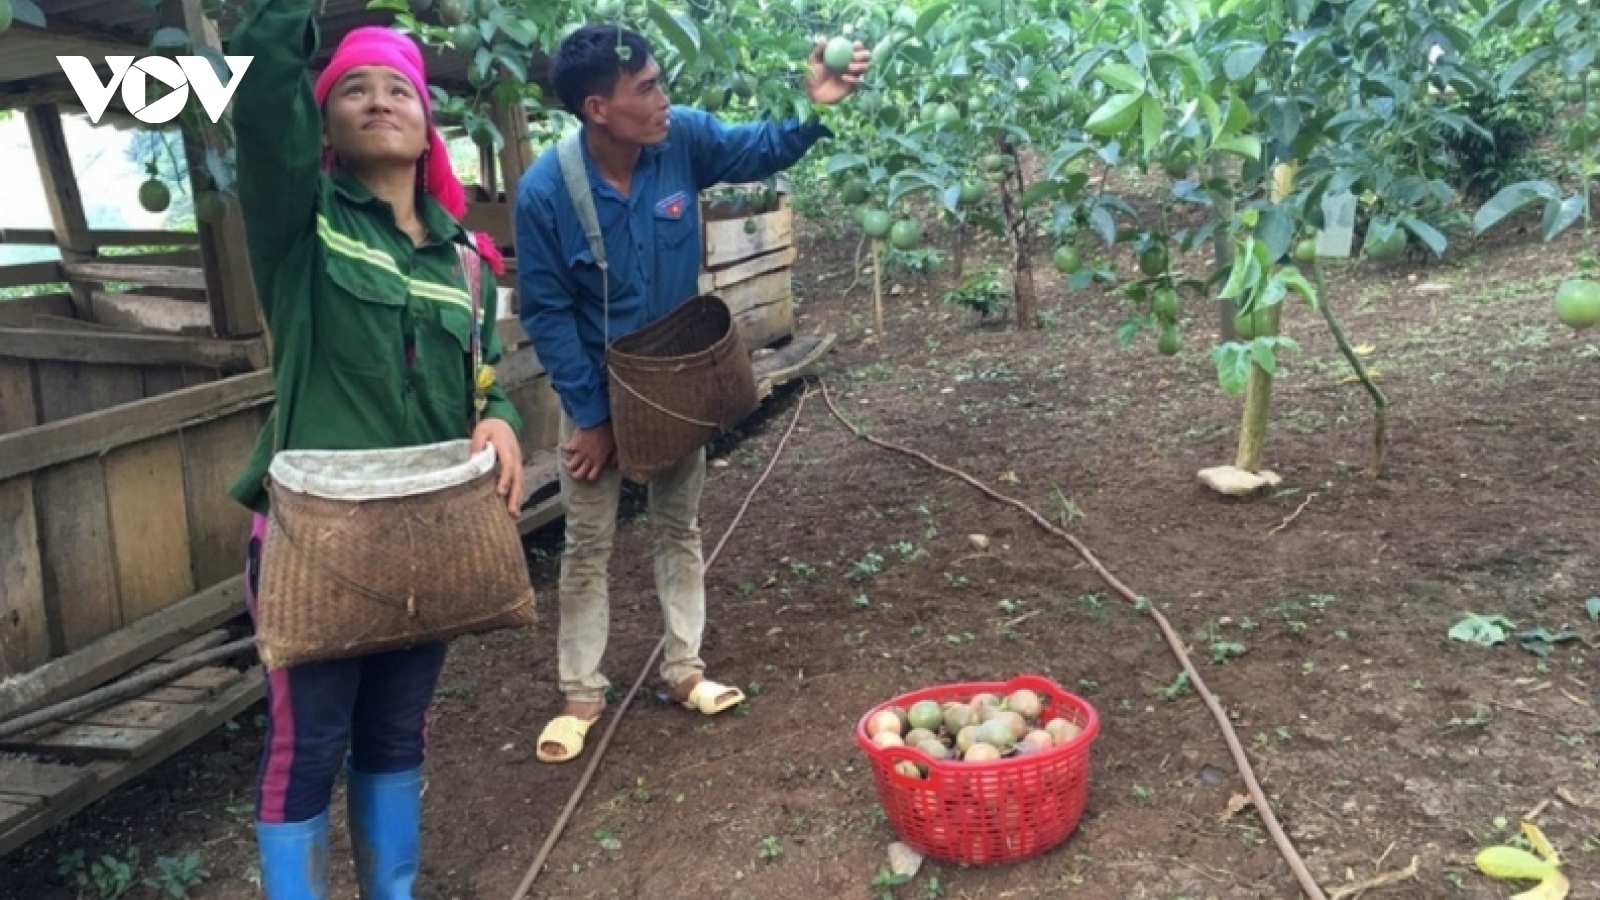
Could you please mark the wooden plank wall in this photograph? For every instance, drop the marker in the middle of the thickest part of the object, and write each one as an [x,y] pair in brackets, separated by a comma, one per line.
[112,516]
[41,385]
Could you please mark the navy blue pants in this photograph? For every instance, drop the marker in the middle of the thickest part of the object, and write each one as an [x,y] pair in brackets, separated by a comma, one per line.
[373,708]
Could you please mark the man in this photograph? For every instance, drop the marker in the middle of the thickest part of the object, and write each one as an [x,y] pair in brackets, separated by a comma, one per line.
[646,163]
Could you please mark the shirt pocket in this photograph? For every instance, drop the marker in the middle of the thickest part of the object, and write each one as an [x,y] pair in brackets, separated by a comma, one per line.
[448,379]
[362,317]
[672,235]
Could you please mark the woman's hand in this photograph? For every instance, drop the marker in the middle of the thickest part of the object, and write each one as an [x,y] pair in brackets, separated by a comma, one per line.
[498,433]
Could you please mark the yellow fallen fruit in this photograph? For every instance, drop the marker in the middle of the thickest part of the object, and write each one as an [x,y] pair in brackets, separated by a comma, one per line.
[1513,864]
[1539,843]
[1363,349]
[1554,887]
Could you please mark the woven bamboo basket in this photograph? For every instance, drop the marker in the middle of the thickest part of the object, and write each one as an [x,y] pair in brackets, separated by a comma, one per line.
[369,551]
[676,385]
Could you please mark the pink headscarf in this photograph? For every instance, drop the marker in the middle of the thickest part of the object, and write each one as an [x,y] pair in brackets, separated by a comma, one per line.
[377,46]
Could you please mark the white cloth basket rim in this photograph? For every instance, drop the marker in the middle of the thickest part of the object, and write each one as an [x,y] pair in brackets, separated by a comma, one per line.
[380,474]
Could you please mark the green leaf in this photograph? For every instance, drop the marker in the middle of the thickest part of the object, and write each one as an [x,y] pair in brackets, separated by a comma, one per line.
[1294,281]
[1541,641]
[1592,605]
[1040,190]
[517,30]
[1212,112]
[1515,71]
[1356,13]
[1511,200]
[1276,231]
[844,162]
[1121,77]
[1238,116]
[1241,61]
[1558,217]
[514,63]
[1426,233]
[1103,225]
[1261,354]
[1240,145]
[26,12]
[1112,117]
[929,16]
[1153,119]
[1485,631]
[1128,331]
[1233,367]
[680,31]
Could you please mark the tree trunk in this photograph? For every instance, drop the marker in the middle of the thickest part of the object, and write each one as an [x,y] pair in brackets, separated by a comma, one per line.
[1025,300]
[1258,392]
[960,255]
[1222,247]
[877,288]
[1380,403]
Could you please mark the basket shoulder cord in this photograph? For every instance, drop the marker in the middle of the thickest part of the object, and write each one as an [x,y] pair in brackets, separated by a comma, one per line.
[570,154]
[472,265]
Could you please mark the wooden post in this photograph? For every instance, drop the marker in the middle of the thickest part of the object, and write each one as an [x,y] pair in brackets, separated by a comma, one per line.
[230,286]
[877,288]
[486,173]
[517,155]
[61,190]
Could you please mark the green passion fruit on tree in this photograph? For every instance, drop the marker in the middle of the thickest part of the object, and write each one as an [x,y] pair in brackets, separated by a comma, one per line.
[958,99]
[1013,114]
[1258,110]
[1564,38]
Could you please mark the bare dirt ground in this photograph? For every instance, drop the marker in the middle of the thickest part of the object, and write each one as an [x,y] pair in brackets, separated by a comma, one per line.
[1378,738]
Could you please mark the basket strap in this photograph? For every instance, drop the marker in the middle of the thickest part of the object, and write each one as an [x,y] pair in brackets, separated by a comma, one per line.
[662,409]
[569,152]
[472,265]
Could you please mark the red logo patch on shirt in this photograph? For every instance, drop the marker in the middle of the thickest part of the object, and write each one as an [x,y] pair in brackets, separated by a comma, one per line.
[672,207]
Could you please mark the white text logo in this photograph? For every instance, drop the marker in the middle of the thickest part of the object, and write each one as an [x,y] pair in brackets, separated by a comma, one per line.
[179,74]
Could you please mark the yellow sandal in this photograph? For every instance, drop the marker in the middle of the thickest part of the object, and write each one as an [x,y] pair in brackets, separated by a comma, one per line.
[567,731]
[703,697]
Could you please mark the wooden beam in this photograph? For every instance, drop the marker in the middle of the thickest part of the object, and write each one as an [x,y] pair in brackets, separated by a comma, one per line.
[61,191]
[46,272]
[120,348]
[185,278]
[112,238]
[789,362]
[120,651]
[224,259]
[110,774]
[94,433]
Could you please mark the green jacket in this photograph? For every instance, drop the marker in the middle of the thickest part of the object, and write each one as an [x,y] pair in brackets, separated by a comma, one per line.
[346,294]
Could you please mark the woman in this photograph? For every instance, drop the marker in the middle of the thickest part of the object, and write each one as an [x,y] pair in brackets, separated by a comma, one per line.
[352,217]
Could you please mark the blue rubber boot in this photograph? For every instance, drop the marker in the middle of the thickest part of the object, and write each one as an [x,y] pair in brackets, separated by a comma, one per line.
[294,859]
[385,831]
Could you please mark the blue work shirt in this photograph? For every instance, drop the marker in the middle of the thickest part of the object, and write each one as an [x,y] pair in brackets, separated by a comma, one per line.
[652,240]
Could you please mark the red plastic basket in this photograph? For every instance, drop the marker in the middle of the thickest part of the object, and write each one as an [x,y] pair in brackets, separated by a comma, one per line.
[980,813]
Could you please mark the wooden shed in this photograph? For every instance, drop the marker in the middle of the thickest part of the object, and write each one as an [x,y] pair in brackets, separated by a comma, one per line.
[133,381]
